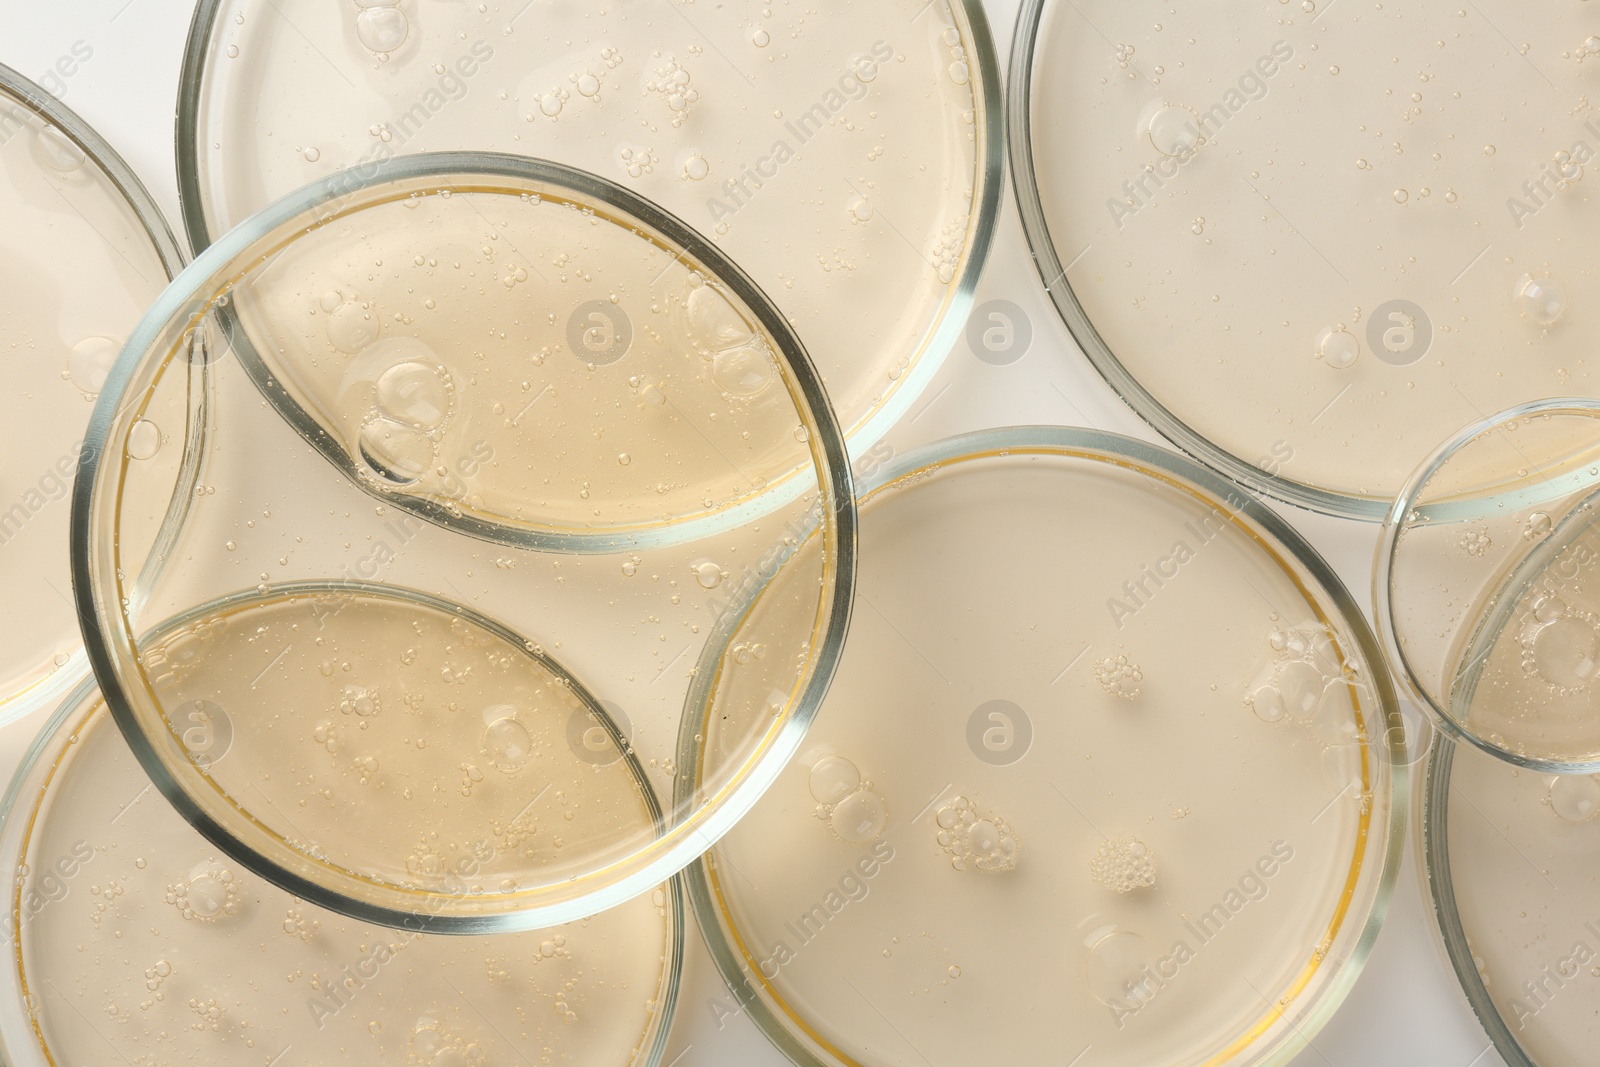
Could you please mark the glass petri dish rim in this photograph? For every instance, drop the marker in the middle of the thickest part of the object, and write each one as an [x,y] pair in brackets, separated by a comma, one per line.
[173,256]
[1024,179]
[430,917]
[940,339]
[43,758]
[1394,524]
[681,844]
[1136,454]
[1433,852]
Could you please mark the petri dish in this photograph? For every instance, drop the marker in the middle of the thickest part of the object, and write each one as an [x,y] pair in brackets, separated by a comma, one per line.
[1368,216]
[1485,585]
[1110,762]
[482,618]
[1509,857]
[83,250]
[868,137]
[129,936]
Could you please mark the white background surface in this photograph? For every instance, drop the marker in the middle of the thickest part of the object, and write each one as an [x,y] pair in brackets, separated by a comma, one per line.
[1405,1011]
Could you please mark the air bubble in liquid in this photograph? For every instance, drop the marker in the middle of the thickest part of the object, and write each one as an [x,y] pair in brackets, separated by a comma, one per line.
[1118,970]
[1543,300]
[714,320]
[351,326]
[59,150]
[395,453]
[1566,652]
[833,779]
[708,574]
[144,440]
[1575,797]
[1301,686]
[1173,131]
[507,745]
[743,371]
[416,394]
[1338,347]
[90,362]
[859,818]
[382,29]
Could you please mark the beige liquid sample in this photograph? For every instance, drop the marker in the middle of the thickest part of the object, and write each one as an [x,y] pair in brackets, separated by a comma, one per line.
[138,941]
[78,267]
[1100,768]
[1520,919]
[358,704]
[837,153]
[593,378]
[1322,237]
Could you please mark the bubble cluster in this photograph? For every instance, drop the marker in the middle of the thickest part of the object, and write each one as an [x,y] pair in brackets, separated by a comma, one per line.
[672,84]
[1305,680]
[1122,865]
[436,1045]
[1119,676]
[360,701]
[1476,542]
[972,840]
[297,925]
